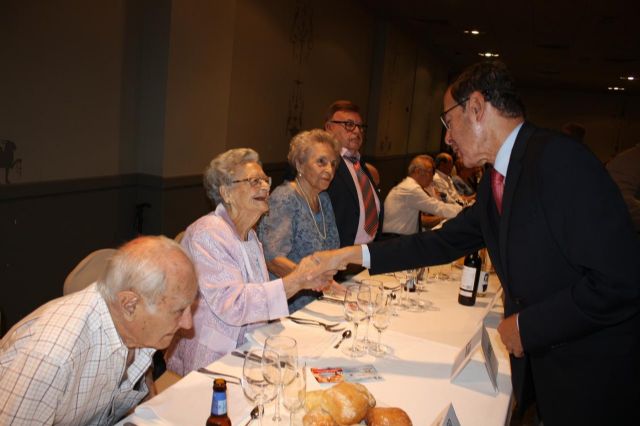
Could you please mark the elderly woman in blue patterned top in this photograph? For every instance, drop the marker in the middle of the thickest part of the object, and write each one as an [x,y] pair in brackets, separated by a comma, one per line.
[301,220]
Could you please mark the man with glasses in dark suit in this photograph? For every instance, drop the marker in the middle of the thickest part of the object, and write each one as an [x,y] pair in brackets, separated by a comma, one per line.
[562,243]
[353,194]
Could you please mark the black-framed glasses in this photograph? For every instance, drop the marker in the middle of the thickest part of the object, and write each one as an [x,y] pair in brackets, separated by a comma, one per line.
[350,125]
[255,182]
[444,114]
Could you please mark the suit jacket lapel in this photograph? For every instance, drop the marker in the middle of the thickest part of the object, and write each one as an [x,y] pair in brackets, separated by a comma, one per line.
[344,174]
[511,183]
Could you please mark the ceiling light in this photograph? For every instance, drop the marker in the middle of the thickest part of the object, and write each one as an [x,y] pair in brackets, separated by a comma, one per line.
[616,88]
[627,77]
[489,55]
[472,32]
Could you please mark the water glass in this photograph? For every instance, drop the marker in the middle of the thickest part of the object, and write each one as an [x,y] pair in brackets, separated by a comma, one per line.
[294,393]
[286,349]
[353,313]
[255,385]
[381,320]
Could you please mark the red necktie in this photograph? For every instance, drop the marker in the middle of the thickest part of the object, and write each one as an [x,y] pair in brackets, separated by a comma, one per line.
[370,210]
[497,187]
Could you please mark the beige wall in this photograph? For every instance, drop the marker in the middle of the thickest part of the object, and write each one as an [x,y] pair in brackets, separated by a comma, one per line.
[612,120]
[60,81]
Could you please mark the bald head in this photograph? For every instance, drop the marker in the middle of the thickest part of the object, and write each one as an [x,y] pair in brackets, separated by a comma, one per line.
[149,287]
[421,169]
[143,265]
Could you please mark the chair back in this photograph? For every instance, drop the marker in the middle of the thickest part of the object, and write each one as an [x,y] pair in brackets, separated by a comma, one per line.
[87,271]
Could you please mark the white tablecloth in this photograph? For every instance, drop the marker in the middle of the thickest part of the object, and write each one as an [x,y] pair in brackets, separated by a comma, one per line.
[416,375]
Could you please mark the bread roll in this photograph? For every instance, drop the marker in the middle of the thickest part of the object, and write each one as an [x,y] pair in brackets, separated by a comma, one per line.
[346,403]
[387,416]
[318,417]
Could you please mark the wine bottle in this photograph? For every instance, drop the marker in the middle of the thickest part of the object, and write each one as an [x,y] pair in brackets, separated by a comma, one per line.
[219,415]
[470,278]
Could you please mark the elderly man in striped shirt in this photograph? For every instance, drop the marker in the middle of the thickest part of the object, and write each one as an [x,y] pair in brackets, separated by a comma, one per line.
[84,358]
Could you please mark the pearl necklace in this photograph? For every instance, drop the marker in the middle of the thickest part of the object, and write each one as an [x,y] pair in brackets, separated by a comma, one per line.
[313,217]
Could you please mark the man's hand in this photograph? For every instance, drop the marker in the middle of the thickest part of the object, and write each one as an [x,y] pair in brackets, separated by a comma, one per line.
[510,335]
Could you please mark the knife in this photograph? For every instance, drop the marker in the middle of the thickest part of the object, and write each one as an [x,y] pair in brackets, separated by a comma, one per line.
[253,357]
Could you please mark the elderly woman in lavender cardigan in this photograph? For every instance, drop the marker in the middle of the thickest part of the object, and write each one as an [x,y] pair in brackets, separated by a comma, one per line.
[235,293]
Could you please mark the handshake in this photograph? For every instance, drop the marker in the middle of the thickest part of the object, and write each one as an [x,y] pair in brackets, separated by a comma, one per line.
[319,268]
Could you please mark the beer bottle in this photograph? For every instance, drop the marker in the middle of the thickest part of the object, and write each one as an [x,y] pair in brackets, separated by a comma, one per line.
[219,415]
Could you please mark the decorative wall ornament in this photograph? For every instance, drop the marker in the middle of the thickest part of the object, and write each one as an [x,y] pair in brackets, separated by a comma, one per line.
[302,31]
[296,106]
[302,42]
[7,161]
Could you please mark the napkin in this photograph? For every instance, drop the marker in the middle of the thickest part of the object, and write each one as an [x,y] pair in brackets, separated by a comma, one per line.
[312,340]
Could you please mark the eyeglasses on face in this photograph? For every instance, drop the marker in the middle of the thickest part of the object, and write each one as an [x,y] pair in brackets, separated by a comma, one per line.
[350,125]
[443,116]
[255,182]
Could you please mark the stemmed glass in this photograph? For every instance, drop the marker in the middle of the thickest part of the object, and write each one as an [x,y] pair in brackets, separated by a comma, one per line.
[353,313]
[294,393]
[381,320]
[402,278]
[370,298]
[254,383]
[280,361]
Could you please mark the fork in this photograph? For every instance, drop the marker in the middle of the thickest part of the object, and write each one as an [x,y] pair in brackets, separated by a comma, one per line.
[204,370]
[306,321]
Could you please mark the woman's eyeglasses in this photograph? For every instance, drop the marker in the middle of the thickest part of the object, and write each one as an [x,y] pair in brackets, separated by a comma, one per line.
[255,182]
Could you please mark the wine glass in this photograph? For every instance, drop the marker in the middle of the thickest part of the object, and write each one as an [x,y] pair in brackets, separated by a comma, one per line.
[402,278]
[254,383]
[381,320]
[286,350]
[294,393]
[353,313]
[370,298]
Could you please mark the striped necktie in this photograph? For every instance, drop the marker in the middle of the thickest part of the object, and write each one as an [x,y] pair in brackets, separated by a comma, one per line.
[370,210]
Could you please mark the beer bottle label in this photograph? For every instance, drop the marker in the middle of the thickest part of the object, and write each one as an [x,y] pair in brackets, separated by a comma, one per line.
[219,404]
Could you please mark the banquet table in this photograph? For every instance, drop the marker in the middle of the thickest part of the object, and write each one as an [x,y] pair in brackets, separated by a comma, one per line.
[415,374]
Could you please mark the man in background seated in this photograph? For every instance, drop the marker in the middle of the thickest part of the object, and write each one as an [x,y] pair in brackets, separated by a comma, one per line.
[442,180]
[466,179]
[407,199]
[84,358]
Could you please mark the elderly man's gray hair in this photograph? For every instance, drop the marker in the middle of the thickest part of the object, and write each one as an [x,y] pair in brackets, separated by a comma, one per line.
[221,169]
[416,163]
[140,266]
[299,148]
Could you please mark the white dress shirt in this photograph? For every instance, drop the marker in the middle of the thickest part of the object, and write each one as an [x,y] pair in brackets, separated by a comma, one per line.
[65,364]
[405,201]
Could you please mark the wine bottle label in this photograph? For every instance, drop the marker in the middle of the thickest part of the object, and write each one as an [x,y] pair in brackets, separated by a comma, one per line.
[466,283]
[483,283]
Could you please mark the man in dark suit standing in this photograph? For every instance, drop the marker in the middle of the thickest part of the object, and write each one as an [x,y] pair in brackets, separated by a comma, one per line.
[562,244]
[354,197]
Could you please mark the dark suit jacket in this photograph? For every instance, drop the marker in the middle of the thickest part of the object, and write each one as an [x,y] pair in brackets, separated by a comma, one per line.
[569,262]
[344,199]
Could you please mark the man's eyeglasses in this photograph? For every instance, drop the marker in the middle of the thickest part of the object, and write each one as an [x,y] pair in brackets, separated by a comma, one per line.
[255,182]
[443,116]
[350,125]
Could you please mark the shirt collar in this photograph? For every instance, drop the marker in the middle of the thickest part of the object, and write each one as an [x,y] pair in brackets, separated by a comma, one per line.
[346,153]
[504,153]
